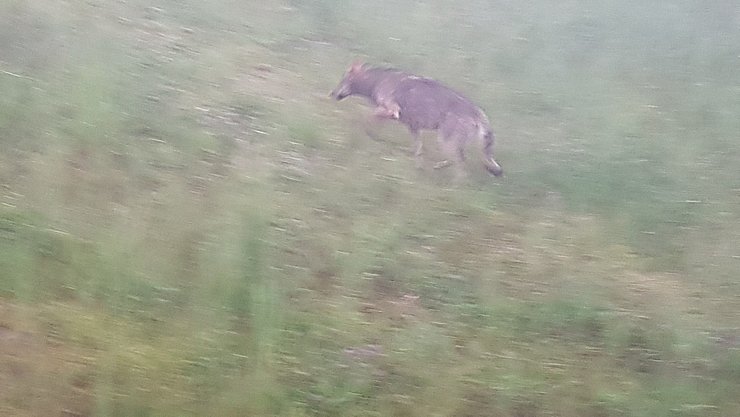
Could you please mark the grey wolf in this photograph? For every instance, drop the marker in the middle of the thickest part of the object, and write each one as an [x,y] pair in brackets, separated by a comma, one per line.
[422,104]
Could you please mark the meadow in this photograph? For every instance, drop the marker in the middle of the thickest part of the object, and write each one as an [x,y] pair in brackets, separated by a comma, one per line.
[189,226]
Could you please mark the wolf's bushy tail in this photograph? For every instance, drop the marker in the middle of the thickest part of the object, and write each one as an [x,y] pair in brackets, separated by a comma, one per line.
[491,165]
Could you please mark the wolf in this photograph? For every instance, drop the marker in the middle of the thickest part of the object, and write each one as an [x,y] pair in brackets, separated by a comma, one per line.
[422,104]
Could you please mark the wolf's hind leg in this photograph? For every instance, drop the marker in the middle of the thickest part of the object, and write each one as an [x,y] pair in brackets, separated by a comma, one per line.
[453,147]
[418,148]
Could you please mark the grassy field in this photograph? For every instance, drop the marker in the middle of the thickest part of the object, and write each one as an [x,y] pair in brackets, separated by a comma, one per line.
[189,226]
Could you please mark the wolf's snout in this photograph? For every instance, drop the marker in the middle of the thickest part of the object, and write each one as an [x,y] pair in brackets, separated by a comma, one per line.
[337,95]
[340,92]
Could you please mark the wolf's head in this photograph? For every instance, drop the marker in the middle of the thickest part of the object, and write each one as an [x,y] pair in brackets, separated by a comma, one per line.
[346,86]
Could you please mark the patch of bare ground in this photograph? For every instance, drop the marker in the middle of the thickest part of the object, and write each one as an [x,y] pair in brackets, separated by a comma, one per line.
[40,372]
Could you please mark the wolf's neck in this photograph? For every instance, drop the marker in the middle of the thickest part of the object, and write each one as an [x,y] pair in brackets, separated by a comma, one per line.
[365,85]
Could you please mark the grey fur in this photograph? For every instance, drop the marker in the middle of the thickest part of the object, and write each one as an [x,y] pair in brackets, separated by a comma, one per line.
[422,104]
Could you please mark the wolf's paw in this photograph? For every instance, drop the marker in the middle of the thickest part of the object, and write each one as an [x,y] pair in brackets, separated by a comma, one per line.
[442,164]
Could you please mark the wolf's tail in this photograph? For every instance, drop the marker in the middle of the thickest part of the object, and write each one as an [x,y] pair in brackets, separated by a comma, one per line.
[491,165]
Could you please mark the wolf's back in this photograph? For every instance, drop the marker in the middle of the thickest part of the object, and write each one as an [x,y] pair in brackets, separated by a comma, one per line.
[426,103]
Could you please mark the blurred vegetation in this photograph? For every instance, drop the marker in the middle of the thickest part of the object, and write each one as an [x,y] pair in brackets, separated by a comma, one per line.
[189,226]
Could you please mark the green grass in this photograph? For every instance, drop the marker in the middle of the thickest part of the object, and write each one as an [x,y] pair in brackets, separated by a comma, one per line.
[189,226]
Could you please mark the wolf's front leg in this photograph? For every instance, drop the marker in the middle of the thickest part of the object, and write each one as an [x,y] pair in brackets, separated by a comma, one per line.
[382,113]
[418,148]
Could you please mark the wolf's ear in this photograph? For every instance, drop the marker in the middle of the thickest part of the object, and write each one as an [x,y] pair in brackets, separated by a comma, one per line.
[356,66]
